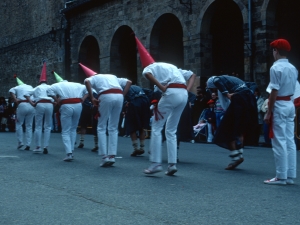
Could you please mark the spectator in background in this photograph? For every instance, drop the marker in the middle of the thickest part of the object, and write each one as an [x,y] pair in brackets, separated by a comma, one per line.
[11,115]
[264,109]
[219,111]
[199,105]
[3,114]
[259,102]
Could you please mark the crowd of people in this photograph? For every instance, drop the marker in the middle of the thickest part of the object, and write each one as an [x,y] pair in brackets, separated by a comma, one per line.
[231,111]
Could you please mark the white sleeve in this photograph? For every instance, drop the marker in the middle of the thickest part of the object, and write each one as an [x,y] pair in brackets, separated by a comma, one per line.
[13,90]
[186,74]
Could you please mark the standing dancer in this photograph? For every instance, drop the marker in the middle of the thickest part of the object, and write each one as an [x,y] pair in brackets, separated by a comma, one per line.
[69,95]
[25,112]
[239,119]
[43,109]
[281,114]
[109,102]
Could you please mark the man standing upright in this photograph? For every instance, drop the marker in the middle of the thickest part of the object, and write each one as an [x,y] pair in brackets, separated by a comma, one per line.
[25,112]
[281,113]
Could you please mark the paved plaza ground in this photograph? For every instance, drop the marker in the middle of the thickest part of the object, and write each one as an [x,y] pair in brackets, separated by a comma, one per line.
[42,189]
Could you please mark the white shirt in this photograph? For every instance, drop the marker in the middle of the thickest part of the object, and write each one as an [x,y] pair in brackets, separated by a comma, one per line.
[104,82]
[67,90]
[166,73]
[21,90]
[283,77]
[40,92]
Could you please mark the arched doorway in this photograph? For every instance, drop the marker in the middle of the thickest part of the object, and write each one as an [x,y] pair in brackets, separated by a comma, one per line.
[227,39]
[88,56]
[166,40]
[123,52]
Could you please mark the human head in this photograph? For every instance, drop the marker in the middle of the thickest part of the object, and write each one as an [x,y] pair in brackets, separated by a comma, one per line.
[280,47]
[211,103]
[214,95]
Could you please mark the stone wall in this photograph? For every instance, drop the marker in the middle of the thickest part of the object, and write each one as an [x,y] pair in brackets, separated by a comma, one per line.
[26,25]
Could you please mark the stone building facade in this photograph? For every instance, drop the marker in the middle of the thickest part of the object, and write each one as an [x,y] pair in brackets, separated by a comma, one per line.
[209,37]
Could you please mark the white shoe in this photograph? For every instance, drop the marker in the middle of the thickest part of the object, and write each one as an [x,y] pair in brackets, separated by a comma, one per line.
[68,158]
[275,181]
[111,160]
[37,150]
[290,181]
[153,168]
[171,170]
[105,162]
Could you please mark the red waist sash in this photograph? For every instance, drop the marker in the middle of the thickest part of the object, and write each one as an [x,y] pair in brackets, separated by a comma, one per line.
[283,98]
[44,101]
[23,101]
[177,86]
[70,101]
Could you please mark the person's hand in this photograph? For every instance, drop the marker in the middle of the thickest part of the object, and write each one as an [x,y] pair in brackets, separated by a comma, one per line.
[163,88]
[229,95]
[267,117]
[95,102]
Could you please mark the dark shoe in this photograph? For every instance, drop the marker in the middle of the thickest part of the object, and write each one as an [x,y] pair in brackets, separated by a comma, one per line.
[234,164]
[27,148]
[137,152]
[19,147]
[45,151]
[95,149]
[80,145]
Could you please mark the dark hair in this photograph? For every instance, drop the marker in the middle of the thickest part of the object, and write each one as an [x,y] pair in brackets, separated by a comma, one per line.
[282,52]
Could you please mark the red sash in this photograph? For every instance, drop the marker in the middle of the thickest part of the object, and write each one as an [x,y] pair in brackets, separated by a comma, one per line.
[44,101]
[70,101]
[177,86]
[23,101]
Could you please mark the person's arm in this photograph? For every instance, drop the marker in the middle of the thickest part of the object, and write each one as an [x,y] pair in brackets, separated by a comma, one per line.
[14,98]
[126,88]
[153,80]
[272,100]
[29,100]
[191,81]
[89,89]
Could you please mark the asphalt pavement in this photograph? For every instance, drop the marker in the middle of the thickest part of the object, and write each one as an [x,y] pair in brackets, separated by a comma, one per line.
[43,189]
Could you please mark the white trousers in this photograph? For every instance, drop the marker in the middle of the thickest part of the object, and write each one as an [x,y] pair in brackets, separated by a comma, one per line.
[43,110]
[25,112]
[69,117]
[283,143]
[210,135]
[110,108]
[170,106]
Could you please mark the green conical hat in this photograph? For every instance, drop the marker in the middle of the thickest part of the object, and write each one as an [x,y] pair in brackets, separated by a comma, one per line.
[57,77]
[18,80]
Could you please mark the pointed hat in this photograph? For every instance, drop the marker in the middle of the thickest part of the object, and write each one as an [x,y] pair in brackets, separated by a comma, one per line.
[44,73]
[146,58]
[57,77]
[18,80]
[88,72]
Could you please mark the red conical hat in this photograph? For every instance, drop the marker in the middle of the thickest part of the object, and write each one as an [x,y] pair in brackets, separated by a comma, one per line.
[88,72]
[43,76]
[145,57]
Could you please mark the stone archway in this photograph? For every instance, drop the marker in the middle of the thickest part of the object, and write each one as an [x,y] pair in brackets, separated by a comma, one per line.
[166,43]
[222,39]
[123,52]
[282,20]
[88,56]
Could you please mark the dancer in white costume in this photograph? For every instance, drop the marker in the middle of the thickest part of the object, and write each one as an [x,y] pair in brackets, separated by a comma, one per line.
[281,114]
[172,82]
[43,109]
[109,102]
[25,112]
[69,95]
